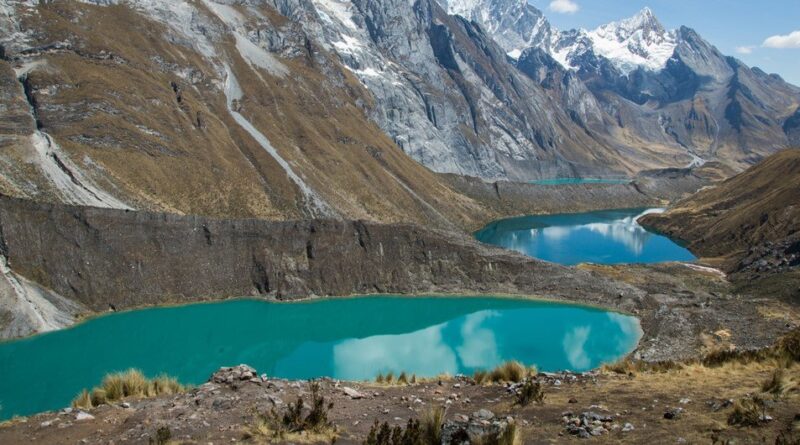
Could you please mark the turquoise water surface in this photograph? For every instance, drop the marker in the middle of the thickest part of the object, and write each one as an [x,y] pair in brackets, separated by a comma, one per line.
[604,237]
[564,181]
[351,338]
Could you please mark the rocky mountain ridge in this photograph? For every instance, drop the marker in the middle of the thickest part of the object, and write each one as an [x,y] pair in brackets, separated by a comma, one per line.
[663,86]
[287,109]
[749,223]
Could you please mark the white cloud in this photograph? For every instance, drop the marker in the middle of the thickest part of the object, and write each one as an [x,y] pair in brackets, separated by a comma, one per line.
[745,49]
[564,6]
[791,40]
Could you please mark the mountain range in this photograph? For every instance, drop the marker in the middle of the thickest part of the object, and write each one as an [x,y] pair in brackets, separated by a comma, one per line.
[285,109]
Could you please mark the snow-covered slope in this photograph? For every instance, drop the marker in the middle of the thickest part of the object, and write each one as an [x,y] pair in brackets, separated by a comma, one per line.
[640,41]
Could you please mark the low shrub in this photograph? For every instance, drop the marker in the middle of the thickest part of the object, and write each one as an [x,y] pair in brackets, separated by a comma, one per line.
[750,411]
[775,383]
[480,377]
[427,431]
[293,421]
[530,391]
[508,436]
[789,345]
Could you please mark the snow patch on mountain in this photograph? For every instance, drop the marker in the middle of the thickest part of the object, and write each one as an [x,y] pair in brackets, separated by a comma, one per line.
[637,42]
[640,41]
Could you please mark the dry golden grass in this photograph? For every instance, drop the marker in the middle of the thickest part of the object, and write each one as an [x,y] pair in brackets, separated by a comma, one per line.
[130,383]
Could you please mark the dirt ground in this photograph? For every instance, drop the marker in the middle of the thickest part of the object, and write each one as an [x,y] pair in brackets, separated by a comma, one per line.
[216,413]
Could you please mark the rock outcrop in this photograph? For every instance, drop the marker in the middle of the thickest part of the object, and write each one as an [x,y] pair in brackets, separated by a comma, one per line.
[116,259]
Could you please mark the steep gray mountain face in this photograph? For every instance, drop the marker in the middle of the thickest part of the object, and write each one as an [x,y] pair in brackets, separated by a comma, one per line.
[447,93]
[667,90]
[485,88]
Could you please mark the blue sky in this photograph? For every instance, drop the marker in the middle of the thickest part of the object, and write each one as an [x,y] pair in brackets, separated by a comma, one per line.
[737,27]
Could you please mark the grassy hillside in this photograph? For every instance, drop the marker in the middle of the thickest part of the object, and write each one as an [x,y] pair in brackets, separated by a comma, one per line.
[730,220]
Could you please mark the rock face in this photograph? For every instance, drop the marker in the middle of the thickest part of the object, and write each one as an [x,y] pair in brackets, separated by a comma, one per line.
[197,108]
[751,221]
[670,88]
[117,259]
[319,109]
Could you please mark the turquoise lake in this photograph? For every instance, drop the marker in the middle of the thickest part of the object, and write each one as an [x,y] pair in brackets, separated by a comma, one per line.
[603,237]
[350,338]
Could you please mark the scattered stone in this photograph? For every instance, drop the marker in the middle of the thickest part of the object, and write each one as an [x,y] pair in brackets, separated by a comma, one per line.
[352,393]
[628,427]
[483,414]
[46,423]
[234,374]
[125,405]
[685,401]
[83,415]
[461,418]
[573,400]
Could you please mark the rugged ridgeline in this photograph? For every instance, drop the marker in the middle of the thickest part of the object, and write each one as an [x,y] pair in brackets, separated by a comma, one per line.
[297,109]
[667,93]
[648,189]
[751,222]
[198,108]
[96,259]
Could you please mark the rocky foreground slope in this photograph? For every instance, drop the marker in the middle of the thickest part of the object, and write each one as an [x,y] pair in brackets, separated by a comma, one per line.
[689,403]
[750,222]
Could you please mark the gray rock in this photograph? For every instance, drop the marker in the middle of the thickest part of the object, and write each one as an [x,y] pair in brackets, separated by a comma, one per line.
[352,393]
[483,414]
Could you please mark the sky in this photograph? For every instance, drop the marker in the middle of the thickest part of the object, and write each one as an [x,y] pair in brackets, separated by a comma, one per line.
[757,32]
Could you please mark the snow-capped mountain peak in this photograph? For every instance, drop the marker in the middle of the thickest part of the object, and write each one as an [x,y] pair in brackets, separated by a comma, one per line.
[639,41]
[514,24]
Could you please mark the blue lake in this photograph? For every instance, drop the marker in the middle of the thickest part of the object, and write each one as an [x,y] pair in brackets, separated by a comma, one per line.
[604,237]
[349,338]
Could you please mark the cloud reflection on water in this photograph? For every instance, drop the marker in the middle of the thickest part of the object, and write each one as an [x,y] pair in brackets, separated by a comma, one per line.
[624,231]
[477,341]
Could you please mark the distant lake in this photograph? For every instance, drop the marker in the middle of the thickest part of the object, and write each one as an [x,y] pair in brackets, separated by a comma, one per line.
[564,181]
[348,338]
[603,237]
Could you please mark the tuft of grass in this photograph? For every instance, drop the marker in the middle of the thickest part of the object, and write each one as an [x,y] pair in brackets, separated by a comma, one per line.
[293,425]
[432,423]
[509,436]
[776,382]
[789,345]
[530,392]
[631,367]
[426,431]
[512,371]
[749,411]
[480,377]
[380,378]
[402,379]
[130,383]
[389,379]
[413,379]
[83,400]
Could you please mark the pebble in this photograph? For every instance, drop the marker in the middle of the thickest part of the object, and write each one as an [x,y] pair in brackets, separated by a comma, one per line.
[82,415]
[483,414]
[352,393]
[628,427]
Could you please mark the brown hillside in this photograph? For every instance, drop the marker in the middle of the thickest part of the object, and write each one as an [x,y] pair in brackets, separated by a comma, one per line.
[758,206]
